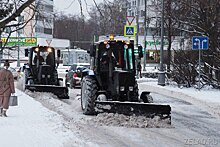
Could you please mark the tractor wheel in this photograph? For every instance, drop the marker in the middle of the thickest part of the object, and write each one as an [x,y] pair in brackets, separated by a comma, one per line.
[26,75]
[150,99]
[60,83]
[136,92]
[146,97]
[88,95]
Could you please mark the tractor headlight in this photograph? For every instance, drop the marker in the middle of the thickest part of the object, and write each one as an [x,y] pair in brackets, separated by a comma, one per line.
[43,76]
[131,88]
[36,49]
[117,89]
[122,88]
[49,50]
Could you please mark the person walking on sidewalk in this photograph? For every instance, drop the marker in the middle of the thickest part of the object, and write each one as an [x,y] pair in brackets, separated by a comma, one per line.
[139,68]
[6,88]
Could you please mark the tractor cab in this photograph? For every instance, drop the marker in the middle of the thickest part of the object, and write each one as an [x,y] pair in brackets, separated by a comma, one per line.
[41,71]
[115,62]
[42,56]
[42,63]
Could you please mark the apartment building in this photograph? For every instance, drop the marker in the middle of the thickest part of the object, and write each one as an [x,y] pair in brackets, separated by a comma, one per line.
[41,25]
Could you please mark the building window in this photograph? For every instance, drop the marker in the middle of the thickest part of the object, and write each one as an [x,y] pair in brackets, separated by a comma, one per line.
[153,56]
[39,29]
[48,8]
[48,31]
[129,5]
[39,18]
[134,3]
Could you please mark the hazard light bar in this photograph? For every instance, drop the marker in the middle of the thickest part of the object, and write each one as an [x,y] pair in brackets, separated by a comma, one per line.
[109,37]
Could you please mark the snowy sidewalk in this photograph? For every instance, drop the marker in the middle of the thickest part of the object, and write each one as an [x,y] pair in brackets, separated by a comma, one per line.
[208,99]
[31,125]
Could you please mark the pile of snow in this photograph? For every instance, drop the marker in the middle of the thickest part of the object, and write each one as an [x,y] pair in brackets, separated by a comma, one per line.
[103,119]
[120,120]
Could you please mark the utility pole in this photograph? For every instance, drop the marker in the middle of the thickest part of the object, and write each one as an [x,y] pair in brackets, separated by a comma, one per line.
[18,61]
[18,35]
[161,74]
[1,51]
[145,33]
[137,21]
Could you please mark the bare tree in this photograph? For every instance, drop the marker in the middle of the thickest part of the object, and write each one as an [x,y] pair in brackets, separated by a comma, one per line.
[110,17]
[74,28]
[193,18]
[105,18]
[13,10]
[172,32]
[201,18]
[10,10]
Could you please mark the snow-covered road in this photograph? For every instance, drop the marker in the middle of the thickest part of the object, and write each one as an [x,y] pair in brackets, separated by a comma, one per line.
[190,125]
[43,120]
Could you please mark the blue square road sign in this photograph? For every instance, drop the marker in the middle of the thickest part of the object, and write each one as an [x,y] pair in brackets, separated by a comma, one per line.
[129,31]
[200,42]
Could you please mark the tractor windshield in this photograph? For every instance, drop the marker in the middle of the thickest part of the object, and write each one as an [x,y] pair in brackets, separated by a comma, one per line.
[120,55]
[124,56]
[43,56]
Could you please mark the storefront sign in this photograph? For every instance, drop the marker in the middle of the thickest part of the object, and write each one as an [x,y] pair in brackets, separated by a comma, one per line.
[156,42]
[22,41]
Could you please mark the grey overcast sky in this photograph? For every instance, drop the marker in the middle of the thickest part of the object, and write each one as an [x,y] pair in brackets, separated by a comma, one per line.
[73,6]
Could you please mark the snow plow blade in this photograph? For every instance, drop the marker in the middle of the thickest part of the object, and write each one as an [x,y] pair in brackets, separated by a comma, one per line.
[59,91]
[133,108]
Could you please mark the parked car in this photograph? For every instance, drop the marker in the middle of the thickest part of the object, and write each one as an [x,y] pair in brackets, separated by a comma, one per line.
[73,77]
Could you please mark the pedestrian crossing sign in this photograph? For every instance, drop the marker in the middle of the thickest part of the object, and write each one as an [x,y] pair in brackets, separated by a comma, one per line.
[129,31]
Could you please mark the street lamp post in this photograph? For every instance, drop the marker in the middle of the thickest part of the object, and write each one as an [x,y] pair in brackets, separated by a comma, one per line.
[161,74]
[1,51]
[18,61]
[137,21]
[145,33]
[18,35]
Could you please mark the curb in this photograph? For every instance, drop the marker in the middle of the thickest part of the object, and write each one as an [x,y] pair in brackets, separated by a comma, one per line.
[212,108]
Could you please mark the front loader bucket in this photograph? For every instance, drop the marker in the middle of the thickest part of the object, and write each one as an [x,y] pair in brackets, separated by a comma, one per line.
[59,91]
[133,108]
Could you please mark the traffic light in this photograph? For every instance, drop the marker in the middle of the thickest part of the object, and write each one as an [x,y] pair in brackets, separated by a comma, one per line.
[140,51]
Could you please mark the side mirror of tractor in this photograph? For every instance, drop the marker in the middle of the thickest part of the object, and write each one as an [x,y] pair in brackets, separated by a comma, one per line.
[92,50]
[88,51]
[23,68]
[26,52]
[58,53]
[140,51]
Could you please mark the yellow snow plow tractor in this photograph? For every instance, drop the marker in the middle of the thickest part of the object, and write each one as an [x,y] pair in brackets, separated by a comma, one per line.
[40,74]
[110,85]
